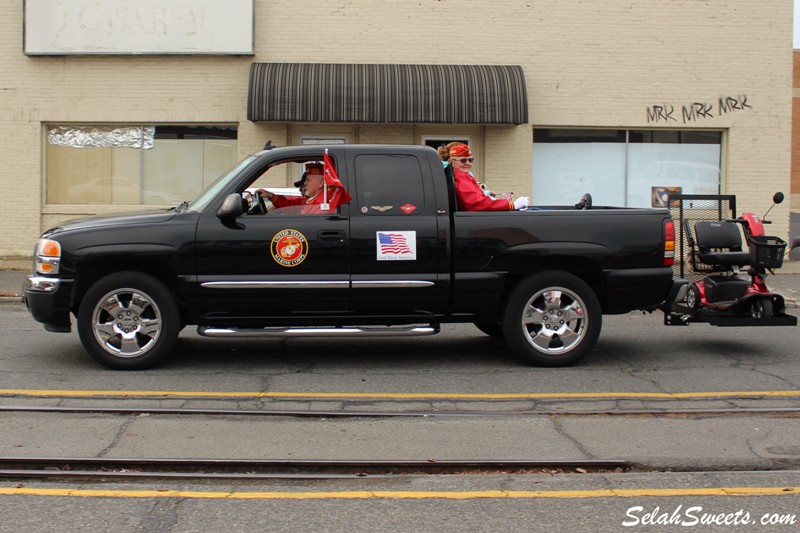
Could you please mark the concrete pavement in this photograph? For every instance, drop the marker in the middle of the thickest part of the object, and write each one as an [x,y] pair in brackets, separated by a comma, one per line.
[671,442]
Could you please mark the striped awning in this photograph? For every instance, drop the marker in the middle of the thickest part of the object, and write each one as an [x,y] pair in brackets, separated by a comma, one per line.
[370,93]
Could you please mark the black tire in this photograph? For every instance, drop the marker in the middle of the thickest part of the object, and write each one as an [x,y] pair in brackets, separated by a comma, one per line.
[493,329]
[693,297]
[552,319]
[761,308]
[143,327]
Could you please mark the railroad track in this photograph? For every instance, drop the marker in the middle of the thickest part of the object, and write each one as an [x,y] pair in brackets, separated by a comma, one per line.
[108,469]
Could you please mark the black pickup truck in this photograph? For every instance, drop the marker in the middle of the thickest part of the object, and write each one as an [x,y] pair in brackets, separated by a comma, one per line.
[398,259]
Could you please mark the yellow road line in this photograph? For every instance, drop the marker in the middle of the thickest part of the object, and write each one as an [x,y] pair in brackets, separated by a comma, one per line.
[400,495]
[398,395]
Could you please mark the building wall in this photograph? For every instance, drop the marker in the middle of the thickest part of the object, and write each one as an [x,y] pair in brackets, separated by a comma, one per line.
[587,64]
[795,187]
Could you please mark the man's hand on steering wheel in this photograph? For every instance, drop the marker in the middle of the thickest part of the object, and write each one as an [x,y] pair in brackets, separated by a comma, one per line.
[257,205]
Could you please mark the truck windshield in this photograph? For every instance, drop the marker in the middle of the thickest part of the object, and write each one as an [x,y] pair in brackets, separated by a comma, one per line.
[211,191]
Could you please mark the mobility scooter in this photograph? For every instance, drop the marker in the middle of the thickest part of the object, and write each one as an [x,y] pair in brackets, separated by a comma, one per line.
[722,294]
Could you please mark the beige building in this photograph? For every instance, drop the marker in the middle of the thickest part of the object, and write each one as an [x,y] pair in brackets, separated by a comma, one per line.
[106,106]
[795,188]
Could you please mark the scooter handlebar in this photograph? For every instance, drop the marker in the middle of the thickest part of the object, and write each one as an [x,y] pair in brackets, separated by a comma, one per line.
[743,221]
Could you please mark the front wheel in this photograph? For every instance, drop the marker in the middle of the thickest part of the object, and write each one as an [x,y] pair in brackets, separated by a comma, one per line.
[128,321]
[552,319]
[761,308]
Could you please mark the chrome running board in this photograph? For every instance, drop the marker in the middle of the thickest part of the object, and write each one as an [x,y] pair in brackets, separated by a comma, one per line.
[355,331]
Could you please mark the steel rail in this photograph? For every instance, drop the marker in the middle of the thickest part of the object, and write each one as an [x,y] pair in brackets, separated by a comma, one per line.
[698,412]
[245,469]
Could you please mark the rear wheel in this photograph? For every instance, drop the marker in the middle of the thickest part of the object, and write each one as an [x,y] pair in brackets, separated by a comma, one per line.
[761,308]
[128,321]
[552,319]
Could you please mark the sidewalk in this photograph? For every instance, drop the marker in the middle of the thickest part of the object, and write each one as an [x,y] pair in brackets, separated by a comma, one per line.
[13,271]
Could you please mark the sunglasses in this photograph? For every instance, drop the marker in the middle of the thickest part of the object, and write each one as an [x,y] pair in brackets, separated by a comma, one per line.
[464,160]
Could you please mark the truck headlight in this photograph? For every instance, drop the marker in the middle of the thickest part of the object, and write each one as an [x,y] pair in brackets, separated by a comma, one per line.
[47,256]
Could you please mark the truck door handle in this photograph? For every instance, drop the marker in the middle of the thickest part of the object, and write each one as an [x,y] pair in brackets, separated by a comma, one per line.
[331,236]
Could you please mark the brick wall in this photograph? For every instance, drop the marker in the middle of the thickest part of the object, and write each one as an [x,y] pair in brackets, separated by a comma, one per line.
[587,64]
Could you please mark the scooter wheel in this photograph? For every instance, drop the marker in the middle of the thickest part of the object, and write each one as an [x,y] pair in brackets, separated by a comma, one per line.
[761,308]
[693,298]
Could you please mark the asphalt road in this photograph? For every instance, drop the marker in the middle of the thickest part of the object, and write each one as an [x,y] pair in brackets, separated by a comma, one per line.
[489,503]
[464,396]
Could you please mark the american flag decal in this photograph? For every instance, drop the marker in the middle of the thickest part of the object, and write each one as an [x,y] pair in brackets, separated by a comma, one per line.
[397,245]
[393,243]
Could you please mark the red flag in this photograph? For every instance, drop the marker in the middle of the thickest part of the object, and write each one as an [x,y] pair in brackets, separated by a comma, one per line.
[333,181]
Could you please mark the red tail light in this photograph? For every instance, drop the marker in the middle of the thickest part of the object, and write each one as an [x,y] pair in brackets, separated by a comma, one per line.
[669,243]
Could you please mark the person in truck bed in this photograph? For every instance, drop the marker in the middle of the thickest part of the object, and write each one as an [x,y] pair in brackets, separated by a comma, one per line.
[469,195]
[444,155]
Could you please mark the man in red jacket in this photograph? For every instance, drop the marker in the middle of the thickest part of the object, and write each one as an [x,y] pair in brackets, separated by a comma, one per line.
[313,194]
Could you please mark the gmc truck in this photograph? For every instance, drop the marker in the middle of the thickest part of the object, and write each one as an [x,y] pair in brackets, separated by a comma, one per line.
[398,259]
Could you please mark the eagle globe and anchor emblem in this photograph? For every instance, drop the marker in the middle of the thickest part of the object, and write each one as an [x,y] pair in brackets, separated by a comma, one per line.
[289,247]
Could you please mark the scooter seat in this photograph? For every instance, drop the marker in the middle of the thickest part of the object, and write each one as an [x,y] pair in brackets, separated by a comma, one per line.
[720,243]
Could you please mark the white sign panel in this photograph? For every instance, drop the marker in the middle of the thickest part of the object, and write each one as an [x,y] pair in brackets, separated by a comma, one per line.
[67,27]
[396,245]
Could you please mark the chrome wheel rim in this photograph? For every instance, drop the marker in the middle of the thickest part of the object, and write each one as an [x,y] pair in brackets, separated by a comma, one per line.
[691,298]
[554,320]
[126,322]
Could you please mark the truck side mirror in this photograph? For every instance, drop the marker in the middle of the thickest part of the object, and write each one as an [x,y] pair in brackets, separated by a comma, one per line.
[231,208]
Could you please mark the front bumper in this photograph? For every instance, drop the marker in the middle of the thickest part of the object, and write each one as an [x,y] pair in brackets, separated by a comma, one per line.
[48,301]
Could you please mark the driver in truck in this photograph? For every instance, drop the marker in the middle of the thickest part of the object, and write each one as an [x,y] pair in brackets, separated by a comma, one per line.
[279,200]
[313,193]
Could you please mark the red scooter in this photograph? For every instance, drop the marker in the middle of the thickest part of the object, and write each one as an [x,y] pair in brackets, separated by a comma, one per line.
[723,296]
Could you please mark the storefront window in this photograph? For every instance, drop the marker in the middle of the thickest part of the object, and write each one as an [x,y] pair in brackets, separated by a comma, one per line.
[135,165]
[621,167]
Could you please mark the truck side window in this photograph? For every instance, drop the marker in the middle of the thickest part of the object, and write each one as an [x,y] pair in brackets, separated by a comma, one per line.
[388,185]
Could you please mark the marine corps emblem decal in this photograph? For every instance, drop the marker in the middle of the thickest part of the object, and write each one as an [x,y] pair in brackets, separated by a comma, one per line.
[289,248]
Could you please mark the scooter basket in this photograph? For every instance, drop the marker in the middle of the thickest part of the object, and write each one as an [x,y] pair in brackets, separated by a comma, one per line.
[767,251]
